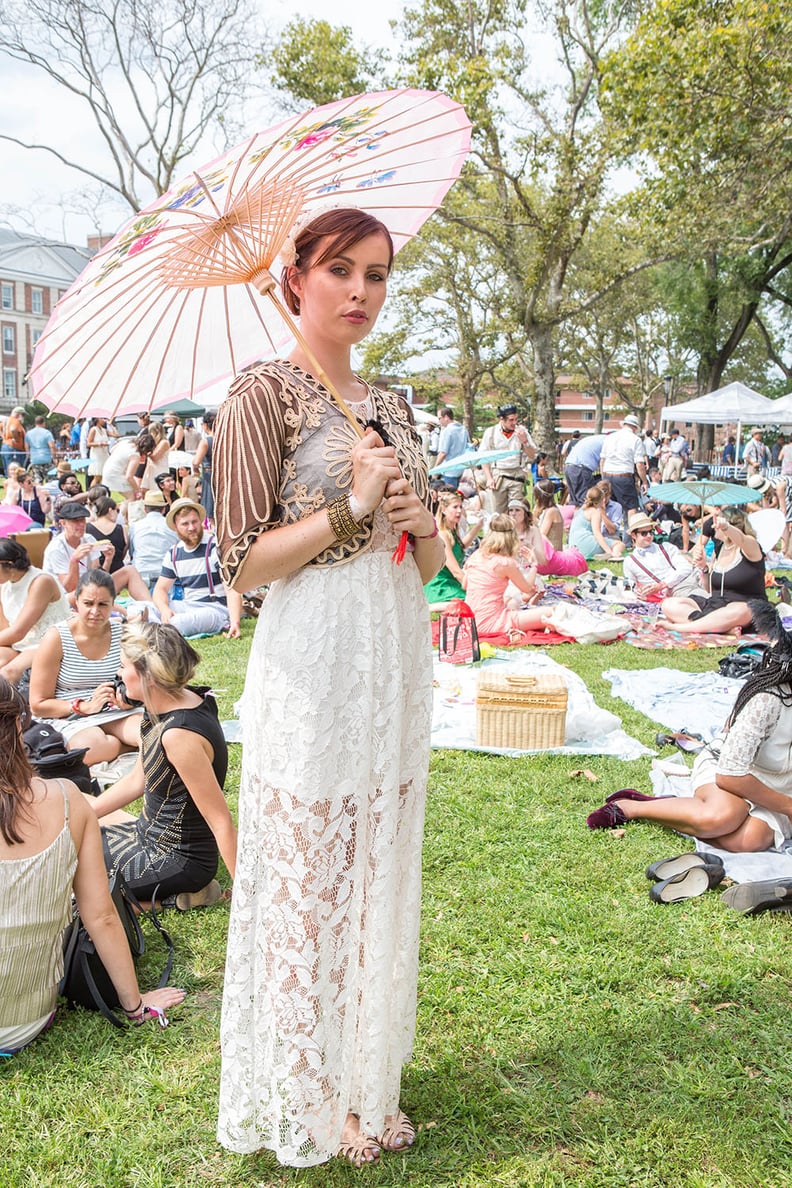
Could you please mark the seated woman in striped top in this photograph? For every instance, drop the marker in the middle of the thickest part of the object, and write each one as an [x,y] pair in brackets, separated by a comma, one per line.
[73,674]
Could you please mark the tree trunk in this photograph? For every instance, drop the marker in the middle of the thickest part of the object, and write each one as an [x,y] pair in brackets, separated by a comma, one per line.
[544,411]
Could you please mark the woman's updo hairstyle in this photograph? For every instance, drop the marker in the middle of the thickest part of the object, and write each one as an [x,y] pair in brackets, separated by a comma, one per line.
[342,229]
[161,655]
[104,504]
[544,493]
[144,443]
[14,554]
[501,538]
[595,497]
[96,577]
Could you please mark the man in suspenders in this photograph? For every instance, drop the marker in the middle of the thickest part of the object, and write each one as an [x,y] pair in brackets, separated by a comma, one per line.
[657,570]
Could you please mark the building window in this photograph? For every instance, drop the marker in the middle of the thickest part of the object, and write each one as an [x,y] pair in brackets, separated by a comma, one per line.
[35,335]
[587,416]
[37,301]
[9,383]
[7,295]
[9,346]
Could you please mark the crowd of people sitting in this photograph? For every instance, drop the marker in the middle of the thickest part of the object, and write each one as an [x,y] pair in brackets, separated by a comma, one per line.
[701,565]
[113,674]
[93,650]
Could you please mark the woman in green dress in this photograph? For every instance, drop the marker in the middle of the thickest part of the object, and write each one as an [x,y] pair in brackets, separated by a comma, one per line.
[447,584]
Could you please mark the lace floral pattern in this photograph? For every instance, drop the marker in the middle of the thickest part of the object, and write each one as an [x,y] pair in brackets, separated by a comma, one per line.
[281,452]
[320,985]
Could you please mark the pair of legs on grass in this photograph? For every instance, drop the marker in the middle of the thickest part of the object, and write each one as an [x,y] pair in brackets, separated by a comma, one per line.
[106,742]
[711,814]
[676,614]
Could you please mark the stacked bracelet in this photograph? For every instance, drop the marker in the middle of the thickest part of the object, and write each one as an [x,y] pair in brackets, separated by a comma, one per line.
[429,535]
[343,523]
[136,1013]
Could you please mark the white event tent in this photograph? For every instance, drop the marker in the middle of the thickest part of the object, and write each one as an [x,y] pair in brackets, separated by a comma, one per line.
[736,402]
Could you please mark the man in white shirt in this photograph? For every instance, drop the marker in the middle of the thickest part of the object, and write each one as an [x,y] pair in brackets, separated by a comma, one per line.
[677,459]
[454,440]
[151,538]
[505,479]
[69,555]
[756,455]
[657,570]
[622,458]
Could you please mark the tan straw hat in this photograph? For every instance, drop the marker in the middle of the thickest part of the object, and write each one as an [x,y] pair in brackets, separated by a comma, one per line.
[184,505]
[638,520]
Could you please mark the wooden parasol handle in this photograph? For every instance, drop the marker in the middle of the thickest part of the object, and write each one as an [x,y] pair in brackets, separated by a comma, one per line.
[266,285]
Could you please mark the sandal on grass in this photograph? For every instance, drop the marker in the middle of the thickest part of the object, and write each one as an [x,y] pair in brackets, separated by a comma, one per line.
[399,1133]
[359,1149]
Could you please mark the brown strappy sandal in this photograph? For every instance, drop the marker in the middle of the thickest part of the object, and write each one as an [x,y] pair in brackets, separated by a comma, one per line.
[360,1150]
[399,1133]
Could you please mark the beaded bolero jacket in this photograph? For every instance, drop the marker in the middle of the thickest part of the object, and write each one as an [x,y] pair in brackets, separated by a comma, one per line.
[282,451]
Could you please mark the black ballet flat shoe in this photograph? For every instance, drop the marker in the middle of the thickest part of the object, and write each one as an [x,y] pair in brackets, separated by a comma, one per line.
[667,868]
[765,896]
[687,885]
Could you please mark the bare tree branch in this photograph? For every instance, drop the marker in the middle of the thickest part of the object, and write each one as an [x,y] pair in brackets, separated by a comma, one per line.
[156,76]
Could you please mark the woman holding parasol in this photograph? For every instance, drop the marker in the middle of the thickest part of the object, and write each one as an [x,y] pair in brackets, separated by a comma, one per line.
[320,989]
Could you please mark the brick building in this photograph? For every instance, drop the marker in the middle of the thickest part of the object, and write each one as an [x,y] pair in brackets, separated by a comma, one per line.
[576,408]
[34,273]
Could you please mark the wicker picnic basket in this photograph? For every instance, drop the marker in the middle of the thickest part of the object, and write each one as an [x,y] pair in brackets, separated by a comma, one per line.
[525,713]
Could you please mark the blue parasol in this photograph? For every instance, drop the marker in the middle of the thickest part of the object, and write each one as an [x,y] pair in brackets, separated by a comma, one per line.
[470,458]
[703,491]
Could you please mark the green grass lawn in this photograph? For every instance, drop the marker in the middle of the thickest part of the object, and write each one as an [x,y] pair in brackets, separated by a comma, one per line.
[570,1032]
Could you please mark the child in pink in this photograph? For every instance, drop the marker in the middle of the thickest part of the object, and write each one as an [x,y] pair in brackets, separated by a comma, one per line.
[486,575]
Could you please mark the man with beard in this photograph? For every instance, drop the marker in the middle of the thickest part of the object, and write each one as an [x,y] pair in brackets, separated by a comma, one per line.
[69,491]
[189,592]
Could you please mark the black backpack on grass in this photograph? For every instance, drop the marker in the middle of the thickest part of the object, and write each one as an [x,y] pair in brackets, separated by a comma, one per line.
[85,980]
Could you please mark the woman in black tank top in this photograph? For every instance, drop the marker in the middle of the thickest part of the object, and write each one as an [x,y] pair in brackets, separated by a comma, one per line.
[736,577]
[185,825]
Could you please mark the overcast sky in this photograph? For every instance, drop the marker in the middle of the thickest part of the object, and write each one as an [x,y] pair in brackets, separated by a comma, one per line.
[40,187]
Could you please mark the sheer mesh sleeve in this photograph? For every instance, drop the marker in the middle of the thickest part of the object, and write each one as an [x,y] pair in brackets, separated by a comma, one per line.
[753,727]
[250,433]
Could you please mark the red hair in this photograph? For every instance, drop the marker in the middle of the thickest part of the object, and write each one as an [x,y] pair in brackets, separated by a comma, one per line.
[342,229]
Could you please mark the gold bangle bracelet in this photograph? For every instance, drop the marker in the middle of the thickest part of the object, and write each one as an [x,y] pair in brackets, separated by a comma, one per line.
[342,522]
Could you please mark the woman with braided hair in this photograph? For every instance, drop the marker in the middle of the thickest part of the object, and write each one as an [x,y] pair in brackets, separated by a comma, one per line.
[742,780]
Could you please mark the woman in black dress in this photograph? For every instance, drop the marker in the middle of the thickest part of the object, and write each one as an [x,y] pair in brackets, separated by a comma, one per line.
[172,848]
[107,526]
[736,576]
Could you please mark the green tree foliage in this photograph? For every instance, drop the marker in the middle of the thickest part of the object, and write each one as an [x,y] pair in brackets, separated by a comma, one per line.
[701,91]
[544,151]
[315,62]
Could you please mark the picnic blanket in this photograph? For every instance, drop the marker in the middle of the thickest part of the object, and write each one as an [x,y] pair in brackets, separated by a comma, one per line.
[589,729]
[698,702]
[644,633]
[673,779]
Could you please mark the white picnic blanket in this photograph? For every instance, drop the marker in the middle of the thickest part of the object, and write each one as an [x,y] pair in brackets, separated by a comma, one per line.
[698,702]
[589,729]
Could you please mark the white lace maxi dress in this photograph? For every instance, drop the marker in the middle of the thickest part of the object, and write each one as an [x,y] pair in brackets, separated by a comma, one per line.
[320,984]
